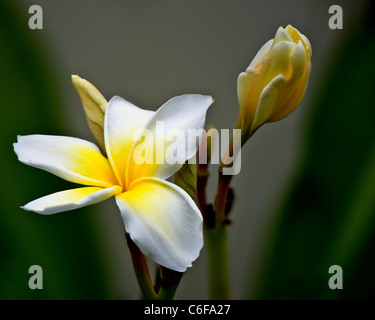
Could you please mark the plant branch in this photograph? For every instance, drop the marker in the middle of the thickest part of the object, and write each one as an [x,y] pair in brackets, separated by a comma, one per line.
[166,282]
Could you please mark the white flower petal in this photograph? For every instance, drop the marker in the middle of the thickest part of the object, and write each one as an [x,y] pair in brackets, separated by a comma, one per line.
[163,221]
[122,120]
[71,199]
[177,115]
[72,159]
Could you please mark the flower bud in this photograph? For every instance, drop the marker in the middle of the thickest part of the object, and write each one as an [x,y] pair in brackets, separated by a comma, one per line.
[275,82]
[94,105]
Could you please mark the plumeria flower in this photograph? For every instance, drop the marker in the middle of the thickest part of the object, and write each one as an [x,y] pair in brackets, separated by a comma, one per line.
[161,218]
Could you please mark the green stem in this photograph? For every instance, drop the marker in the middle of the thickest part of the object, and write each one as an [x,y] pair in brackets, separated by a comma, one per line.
[216,236]
[169,282]
[218,269]
[166,282]
[141,271]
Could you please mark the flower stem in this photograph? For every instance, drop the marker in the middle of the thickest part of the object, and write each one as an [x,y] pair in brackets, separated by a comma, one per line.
[216,236]
[218,269]
[221,198]
[216,233]
[202,177]
[141,271]
[167,280]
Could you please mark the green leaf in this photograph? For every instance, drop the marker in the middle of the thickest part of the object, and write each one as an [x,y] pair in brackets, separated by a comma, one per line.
[186,178]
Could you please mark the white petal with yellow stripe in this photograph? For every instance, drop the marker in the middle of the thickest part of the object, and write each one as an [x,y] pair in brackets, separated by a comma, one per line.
[121,122]
[163,221]
[72,159]
[71,199]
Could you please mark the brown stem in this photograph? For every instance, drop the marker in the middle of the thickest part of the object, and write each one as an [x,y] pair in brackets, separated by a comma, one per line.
[169,282]
[166,282]
[221,197]
[202,178]
[141,270]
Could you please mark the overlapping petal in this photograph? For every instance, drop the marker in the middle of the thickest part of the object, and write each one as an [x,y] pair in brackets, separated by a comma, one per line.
[296,84]
[72,159]
[268,100]
[169,129]
[71,199]
[163,221]
[94,105]
[121,123]
[260,55]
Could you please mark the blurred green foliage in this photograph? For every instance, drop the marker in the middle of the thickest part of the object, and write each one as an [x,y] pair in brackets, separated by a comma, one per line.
[63,245]
[329,215]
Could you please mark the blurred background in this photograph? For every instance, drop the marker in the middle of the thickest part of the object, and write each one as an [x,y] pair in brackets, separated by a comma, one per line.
[305,196]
